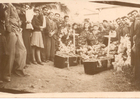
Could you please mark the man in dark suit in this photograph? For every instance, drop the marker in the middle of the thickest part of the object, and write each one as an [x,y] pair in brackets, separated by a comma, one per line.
[136,33]
[45,11]
[27,31]
[50,32]
[58,23]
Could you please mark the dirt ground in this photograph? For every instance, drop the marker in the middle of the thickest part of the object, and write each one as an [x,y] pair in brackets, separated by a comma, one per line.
[49,79]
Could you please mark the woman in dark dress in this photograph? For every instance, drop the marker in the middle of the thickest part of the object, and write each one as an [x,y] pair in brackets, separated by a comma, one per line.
[83,36]
[37,39]
[94,37]
[91,39]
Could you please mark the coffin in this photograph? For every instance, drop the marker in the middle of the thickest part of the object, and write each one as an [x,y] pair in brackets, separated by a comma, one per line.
[97,65]
[61,61]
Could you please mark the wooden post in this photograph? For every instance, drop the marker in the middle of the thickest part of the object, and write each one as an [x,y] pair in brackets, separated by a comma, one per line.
[109,40]
[68,65]
[108,48]
[74,40]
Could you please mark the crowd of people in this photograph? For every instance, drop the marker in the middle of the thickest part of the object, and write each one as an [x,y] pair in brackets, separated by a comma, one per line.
[33,36]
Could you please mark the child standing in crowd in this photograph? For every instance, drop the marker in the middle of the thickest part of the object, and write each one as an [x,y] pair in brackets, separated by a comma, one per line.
[37,40]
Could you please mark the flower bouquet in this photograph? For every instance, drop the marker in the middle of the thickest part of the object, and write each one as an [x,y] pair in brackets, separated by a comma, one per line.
[123,58]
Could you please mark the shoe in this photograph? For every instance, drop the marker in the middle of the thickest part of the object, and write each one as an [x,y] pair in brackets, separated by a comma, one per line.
[19,73]
[7,79]
[40,63]
[34,62]
[25,74]
[26,66]
[43,60]
[47,60]
[1,81]
[52,60]
[29,63]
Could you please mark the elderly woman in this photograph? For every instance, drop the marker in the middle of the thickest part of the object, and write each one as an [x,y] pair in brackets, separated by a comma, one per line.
[37,39]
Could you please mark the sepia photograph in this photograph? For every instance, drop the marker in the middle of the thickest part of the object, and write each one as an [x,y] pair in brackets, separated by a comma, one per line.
[82,48]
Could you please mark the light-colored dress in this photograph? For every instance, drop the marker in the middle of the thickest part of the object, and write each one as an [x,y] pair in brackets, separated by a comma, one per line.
[37,39]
